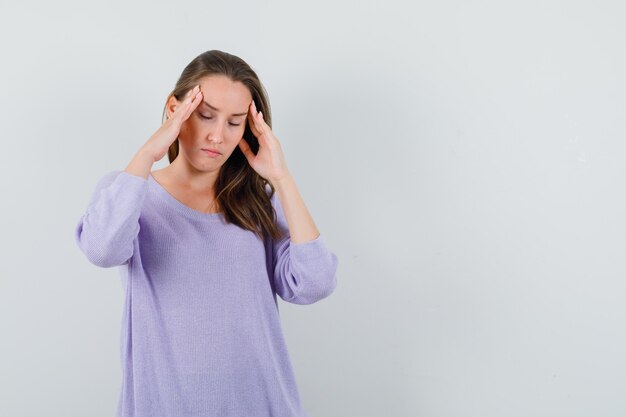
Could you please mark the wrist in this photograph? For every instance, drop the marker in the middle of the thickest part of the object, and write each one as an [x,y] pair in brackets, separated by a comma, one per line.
[141,164]
[146,155]
[282,181]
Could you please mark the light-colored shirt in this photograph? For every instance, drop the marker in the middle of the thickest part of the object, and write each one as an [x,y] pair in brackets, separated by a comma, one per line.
[201,333]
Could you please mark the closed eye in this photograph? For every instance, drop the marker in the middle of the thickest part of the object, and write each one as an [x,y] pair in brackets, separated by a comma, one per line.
[208,117]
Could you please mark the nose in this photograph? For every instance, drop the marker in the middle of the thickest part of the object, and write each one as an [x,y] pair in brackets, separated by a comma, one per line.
[216,134]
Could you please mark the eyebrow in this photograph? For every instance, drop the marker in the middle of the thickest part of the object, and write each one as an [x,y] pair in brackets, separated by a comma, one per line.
[216,109]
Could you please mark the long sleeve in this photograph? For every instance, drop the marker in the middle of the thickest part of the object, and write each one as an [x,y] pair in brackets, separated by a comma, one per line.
[107,230]
[303,273]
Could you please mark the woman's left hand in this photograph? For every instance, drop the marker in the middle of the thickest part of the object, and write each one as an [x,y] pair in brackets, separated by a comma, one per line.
[269,162]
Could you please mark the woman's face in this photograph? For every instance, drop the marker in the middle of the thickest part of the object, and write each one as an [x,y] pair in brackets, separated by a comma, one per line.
[218,123]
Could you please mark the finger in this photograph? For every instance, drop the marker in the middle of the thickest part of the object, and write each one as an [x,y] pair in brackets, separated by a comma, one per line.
[258,118]
[193,104]
[189,95]
[189,103]
[189,92]
[246,150]
[260,129]
[251,120]
[192,96]
[263,130]
[261,120]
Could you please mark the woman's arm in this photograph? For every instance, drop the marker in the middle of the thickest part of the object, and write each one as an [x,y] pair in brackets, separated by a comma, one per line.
[301,226]
[304,272]
[303,268]
[269,162]
[107,229]
[110,224]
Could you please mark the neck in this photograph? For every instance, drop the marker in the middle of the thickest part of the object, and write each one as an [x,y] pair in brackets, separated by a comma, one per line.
[186,176]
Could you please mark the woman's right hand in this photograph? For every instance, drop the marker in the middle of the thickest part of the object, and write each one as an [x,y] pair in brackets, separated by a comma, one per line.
[160,141]
[157,145]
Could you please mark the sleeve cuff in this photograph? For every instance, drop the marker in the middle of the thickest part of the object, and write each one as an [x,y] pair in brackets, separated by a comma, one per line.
[309,250]
[132,179]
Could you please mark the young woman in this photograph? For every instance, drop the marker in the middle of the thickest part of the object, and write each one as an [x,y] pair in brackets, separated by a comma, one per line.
[204,246]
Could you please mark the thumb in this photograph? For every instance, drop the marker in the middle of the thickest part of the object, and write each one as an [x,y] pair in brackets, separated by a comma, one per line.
[246,150]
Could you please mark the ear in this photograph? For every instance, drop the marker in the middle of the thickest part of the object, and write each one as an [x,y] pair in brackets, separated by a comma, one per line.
[172,104]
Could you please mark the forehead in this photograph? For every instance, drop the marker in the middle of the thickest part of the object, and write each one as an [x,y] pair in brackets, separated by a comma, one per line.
[227,95]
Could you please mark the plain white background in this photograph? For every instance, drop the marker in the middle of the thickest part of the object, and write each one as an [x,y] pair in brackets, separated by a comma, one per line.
[464,160]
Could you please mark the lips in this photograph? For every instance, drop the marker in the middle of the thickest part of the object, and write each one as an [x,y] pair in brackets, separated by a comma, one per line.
[211,151]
